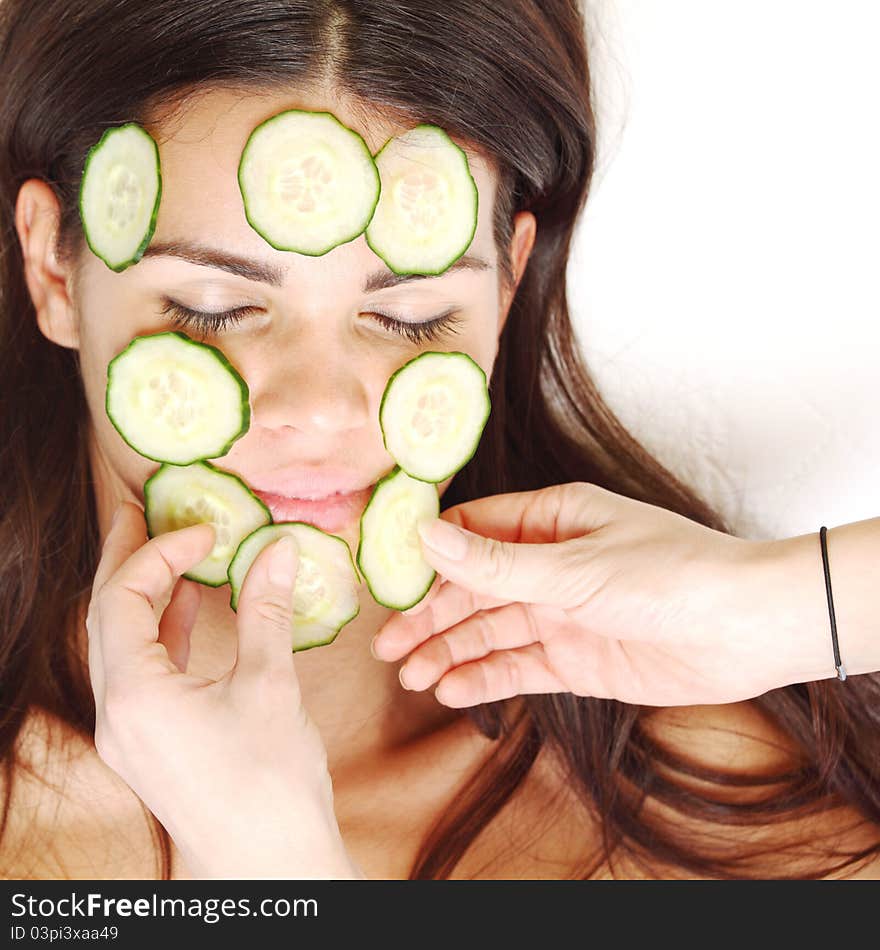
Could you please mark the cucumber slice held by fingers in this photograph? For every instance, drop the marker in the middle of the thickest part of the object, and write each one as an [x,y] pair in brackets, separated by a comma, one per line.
[176,400]
[181,495]
[308,182]
[119,195]
[389,553]
[433,412]
[325,597]
[426,217]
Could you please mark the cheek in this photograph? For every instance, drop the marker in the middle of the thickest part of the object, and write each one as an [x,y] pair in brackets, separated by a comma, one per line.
[481,333]
[94,355]
[96,350]
[110,315]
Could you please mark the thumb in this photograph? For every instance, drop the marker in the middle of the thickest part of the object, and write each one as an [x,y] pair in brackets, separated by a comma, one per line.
[265,608]
[526,573]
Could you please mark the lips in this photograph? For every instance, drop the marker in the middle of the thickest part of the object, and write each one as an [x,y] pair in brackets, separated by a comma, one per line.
[332,513]
[312,484]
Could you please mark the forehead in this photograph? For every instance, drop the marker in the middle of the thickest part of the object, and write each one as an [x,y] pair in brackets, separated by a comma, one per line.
[200,145]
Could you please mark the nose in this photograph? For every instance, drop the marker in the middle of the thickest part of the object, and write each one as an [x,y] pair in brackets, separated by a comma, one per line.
[317,389]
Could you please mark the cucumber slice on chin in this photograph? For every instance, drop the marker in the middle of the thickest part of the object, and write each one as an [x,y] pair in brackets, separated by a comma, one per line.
[326,592]
[389,552]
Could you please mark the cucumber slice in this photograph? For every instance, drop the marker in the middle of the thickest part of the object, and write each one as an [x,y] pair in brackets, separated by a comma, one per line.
[325,598]
[427,212]
[119,195]
[433,412]
[307,181]
[175,400]
[178,496]
[389,552]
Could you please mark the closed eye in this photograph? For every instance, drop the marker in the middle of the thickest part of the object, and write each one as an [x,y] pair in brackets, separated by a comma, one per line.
[207,323]
[418,333]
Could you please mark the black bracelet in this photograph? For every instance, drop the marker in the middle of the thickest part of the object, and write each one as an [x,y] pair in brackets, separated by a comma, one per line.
[841,672]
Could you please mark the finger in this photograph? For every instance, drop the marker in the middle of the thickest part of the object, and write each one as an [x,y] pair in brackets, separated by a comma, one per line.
[451,604]
[545,573]
[178,620]
[500,675]
[555,513]
[128,532]
[507,628]
[97,677]
[124,606]
[265,609]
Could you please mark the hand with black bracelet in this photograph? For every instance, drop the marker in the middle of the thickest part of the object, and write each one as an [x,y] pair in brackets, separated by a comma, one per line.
[575,588]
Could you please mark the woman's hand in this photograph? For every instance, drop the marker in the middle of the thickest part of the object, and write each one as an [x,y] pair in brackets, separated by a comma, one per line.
[575,588]
[234,769]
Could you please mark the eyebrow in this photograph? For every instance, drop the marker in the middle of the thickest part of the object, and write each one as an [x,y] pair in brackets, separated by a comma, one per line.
[274,276]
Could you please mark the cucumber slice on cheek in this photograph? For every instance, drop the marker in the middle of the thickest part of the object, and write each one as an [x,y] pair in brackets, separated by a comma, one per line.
[175,400]
[433,412]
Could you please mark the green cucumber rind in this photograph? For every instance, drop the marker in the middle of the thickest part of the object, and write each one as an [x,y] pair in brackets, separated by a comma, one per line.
[454,353]
[360,549]
[151,226]
[296,250]
[165,465]
[236,593]
[221,358]
[467,243]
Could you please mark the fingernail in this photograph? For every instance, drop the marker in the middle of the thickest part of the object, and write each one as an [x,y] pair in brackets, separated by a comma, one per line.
[444,538]
[373,648]
[283,561]
[400,677]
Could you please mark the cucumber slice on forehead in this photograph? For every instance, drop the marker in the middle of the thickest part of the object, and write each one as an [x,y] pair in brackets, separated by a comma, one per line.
[175,400]
[119,195]
[325,598]
[389,553]
[179,496]
[427,212]
[433,412]
[308,182]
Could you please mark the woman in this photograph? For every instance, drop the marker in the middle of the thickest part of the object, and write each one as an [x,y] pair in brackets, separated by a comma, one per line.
[538,786]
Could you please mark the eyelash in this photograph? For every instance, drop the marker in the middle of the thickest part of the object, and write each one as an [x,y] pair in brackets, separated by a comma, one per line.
[421,332]
[182,317]
[429,330]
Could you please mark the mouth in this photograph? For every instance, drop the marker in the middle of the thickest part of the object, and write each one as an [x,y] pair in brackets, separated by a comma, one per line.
[331,513]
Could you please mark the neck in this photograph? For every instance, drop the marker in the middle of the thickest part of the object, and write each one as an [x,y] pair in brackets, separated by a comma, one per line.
[356,701]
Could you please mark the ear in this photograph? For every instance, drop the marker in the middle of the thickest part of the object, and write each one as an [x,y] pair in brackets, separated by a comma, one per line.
[524,229]
[37,215]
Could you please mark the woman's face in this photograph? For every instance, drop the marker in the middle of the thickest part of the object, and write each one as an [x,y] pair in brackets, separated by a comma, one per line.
[314,354]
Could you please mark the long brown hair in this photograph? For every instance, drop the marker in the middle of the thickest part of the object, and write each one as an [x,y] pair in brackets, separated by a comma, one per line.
[510,78]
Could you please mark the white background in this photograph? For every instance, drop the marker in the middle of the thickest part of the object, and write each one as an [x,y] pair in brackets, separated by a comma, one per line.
[724,281]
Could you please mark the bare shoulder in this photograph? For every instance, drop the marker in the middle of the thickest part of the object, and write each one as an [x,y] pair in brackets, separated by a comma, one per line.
[69,815]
